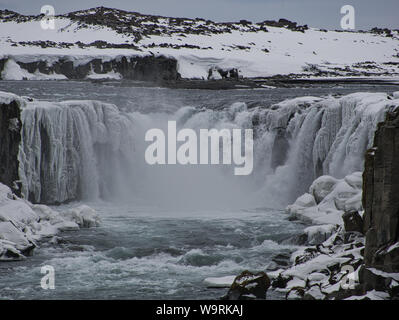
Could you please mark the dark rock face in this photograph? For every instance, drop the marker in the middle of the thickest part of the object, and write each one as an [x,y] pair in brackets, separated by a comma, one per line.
[248,286]
[10,137]
[381,197]
[353,221]
[147,68]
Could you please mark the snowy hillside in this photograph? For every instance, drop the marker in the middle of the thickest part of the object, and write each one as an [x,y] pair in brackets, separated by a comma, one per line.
[250,49]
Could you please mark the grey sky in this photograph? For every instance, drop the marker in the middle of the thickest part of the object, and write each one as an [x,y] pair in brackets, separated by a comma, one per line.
[315,13]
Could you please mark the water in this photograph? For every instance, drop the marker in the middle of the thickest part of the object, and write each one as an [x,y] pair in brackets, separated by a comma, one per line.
[143,254]
[171,234]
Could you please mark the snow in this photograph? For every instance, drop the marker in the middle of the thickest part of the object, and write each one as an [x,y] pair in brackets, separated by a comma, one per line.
[394,276]
[372,295]
[244,49]
[23,225]
[219,282]
[12,71]
[83,216]
[393,247]
[334,195]
[109,75]
[320,233]
[322,187]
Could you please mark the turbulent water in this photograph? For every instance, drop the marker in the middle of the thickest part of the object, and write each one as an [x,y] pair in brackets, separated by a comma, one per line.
[167,228]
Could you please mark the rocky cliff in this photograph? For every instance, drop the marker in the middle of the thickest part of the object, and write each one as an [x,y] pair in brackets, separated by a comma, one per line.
[381,197]
[146,68]
[10,138]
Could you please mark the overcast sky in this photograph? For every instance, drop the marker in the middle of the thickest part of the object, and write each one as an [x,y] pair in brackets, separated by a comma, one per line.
[315,13]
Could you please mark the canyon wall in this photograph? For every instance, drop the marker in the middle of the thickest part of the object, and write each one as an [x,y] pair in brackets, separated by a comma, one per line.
[381,197]
[10,137]
[142,68]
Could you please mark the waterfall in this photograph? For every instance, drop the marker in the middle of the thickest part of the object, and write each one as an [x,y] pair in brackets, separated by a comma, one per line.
[89,150]
[72,149]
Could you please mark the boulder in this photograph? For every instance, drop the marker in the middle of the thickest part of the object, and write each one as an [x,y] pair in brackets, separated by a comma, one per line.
[353,221]
[321,187]
[249,285]
[281,281]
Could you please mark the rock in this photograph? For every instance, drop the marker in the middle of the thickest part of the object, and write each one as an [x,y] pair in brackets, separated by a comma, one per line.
[373,279]
[321,187]
[282,259]
[380,197]
[319,234]
[296,293]
[281,281]
[314,293]
[83,216]
[247,284]
[306,201]
[9,232]
[10,137]
[143,68]
[353,221]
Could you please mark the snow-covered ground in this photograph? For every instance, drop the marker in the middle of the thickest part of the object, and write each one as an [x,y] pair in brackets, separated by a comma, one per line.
[255,49]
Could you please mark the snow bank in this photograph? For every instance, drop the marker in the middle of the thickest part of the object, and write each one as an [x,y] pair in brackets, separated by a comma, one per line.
[23,225]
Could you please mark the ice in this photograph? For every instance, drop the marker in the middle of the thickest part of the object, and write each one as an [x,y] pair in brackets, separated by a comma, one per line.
[77,136]
[12,71]
[83,216]
[336,196]
[23,225]
[322,187]
[220,282]
[323,136]
[319,233]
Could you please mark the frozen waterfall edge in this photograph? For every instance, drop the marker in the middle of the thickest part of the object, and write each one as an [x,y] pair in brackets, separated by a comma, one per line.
[65,149]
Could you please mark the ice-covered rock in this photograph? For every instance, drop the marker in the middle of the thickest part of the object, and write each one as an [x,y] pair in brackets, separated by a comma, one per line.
[248,286]
[219,282]
[322,271]
[83,216]
[319,233]
[23,225]
[335,196]
[305,201]
[321,187]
